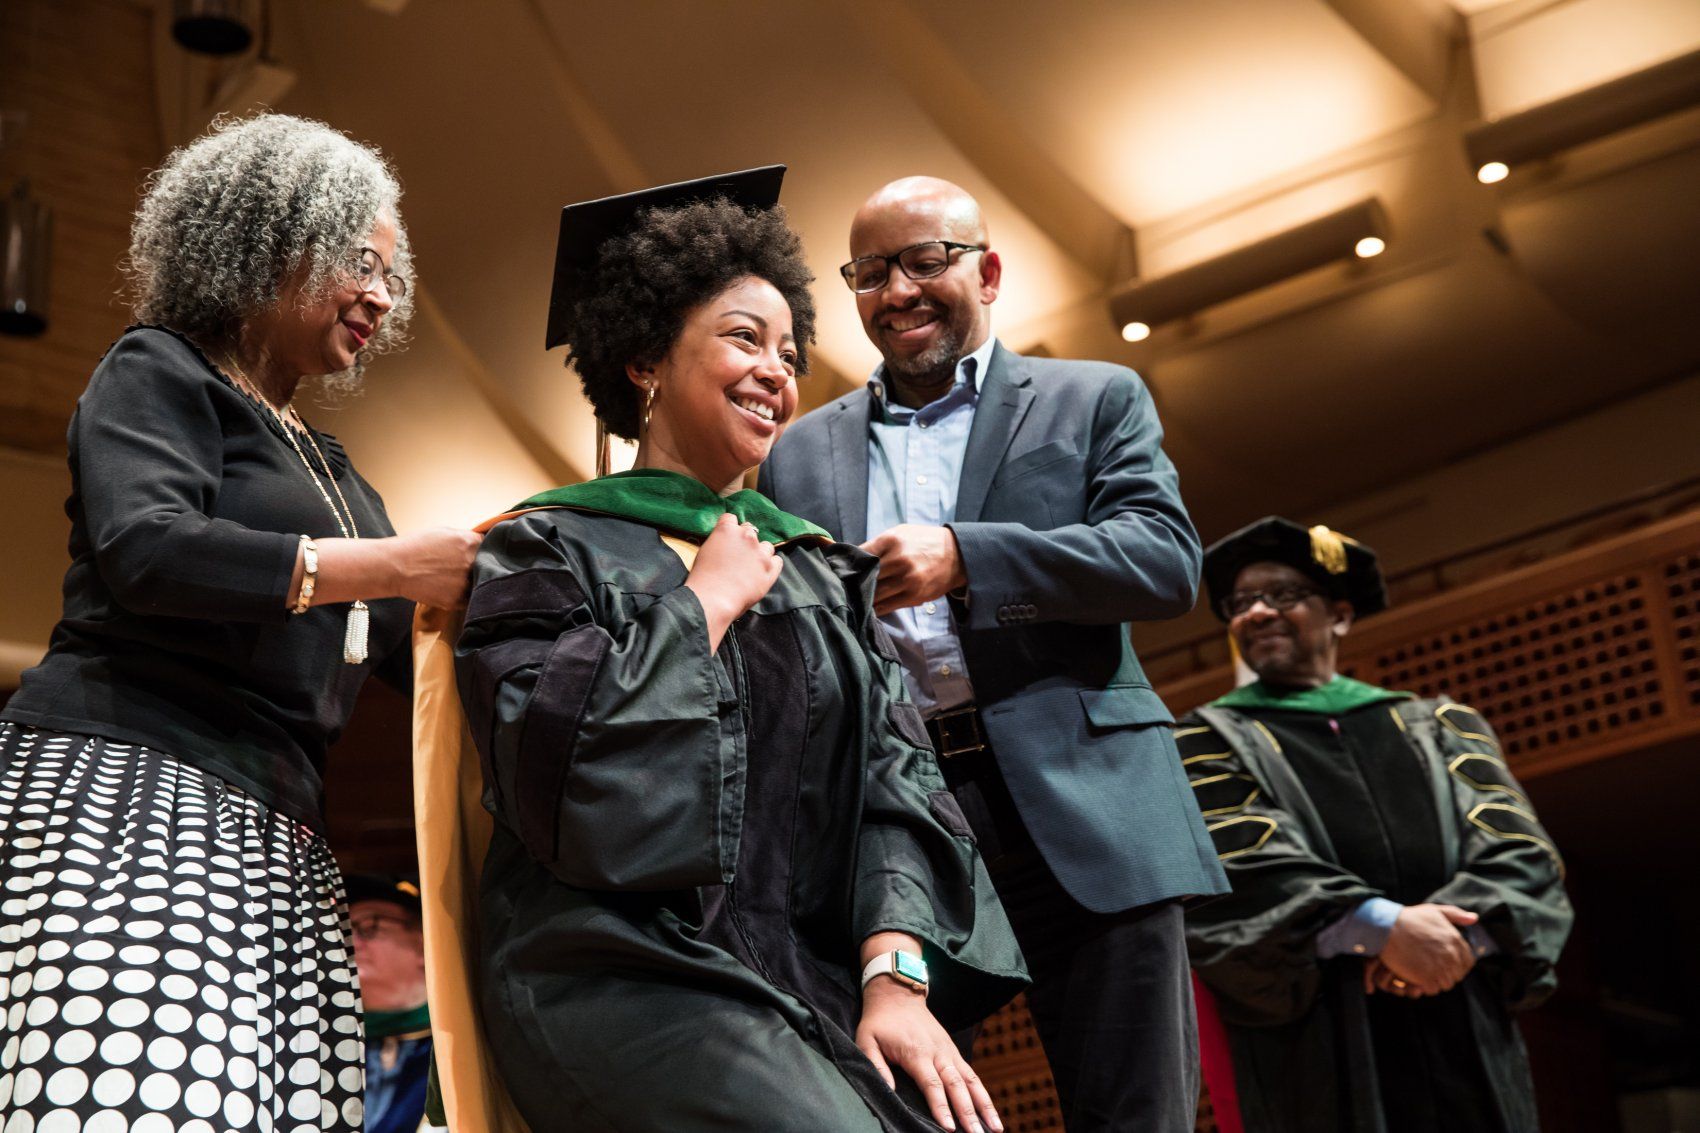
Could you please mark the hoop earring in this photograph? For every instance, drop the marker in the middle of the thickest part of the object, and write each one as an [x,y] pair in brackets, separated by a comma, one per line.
[648,401]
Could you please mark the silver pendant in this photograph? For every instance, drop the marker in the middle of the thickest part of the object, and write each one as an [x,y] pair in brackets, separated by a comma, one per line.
[354,641]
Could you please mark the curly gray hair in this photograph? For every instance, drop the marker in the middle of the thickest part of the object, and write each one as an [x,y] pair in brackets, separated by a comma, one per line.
[233,216]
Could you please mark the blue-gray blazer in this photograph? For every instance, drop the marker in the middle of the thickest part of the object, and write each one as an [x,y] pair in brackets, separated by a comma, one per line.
[1070,522]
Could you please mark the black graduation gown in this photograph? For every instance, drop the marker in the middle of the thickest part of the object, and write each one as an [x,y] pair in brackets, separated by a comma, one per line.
[690,846]
[1314,813]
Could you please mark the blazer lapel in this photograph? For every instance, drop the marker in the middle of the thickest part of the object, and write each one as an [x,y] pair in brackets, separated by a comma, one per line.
[1004,398]
[849,467]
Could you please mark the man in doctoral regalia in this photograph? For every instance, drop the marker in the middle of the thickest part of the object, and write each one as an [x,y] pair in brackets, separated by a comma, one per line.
[1394,898]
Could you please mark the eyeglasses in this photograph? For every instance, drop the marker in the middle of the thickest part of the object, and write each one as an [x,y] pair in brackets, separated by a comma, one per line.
[1280,598]
[370,268]
[918,261]
[371,927]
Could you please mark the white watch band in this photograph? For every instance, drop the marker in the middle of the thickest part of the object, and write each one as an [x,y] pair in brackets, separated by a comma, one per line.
[906,967]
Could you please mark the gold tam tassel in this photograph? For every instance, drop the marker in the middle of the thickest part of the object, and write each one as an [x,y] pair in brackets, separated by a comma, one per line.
[604,458]
[1328,549]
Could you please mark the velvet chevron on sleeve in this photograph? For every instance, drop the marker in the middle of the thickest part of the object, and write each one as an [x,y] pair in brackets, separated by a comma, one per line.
[1509,871]
[1255,947]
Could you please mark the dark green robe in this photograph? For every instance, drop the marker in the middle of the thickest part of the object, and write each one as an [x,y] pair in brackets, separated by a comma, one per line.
[690,847]
[1318,801]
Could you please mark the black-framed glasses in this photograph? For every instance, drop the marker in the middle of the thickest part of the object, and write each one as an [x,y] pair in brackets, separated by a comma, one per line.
[370,268]
[1280,598]
[372,925]
[918,261]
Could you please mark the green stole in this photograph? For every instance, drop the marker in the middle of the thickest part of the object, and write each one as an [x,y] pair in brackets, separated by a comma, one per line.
[1336,698]
[677,504]
[383,1024]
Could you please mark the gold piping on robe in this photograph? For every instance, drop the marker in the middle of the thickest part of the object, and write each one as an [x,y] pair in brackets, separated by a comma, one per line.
[1490,787]
[1475,818]
[1440,714]
[1269,832]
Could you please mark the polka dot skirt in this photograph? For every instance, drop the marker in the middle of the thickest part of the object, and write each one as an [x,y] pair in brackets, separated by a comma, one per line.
[174,956]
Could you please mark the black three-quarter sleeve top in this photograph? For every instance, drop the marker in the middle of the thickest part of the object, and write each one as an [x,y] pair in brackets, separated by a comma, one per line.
[187,506]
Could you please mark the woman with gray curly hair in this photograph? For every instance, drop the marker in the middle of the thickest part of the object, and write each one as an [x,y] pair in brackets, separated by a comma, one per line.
[172,924]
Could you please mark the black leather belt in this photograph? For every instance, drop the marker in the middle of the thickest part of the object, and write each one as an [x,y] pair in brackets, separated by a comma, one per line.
[957,733]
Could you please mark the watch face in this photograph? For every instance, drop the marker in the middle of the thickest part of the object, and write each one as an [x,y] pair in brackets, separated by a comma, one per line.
[911,967]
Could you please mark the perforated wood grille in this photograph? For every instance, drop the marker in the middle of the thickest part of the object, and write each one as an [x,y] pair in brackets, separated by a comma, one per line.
[1682,588]
[1008,1058]
[1010,1061]
[1549,672]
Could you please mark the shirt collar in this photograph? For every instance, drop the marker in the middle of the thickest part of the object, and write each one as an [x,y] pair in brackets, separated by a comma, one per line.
[970,372]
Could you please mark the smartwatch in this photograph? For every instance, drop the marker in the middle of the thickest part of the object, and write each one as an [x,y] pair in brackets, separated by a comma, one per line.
[906,968]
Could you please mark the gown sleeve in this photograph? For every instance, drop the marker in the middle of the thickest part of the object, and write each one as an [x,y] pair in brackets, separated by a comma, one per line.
[1510,872]
[611,745]
[1256,946]
[917,870]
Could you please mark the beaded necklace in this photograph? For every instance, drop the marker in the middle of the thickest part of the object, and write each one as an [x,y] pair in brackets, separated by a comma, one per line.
[355,637]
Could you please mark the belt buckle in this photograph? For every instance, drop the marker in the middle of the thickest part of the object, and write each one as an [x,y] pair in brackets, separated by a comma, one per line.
[951,742]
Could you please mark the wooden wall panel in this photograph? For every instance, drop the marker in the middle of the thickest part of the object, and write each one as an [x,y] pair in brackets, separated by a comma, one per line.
[81,71]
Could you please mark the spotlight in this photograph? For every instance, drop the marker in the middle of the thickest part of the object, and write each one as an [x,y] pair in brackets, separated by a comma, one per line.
[1359,230]
[214,27]
[1586,116]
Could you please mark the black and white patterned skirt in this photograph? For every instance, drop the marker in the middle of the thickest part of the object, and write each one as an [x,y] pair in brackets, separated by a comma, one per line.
[174,956]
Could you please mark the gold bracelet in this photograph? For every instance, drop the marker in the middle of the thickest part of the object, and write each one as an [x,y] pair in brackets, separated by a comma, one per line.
[309,574]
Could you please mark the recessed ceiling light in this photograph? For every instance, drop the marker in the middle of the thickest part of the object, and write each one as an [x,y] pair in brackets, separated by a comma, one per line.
[1493,172]
[1140,305]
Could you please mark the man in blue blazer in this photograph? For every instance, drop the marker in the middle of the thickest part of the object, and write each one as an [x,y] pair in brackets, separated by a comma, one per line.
[1023,512]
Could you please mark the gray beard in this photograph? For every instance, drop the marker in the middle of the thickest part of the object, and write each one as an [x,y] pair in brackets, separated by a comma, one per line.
[932,367]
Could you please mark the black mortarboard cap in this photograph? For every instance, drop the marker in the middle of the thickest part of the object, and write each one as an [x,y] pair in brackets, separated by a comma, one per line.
[1342,566]
[586,226]
[400,889]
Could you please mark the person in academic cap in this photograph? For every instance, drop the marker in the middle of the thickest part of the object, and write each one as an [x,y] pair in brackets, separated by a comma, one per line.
[726,887]
[1394,899]
[389,953]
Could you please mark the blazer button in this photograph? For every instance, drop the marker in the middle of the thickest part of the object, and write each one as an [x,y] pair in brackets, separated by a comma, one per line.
[1003,613]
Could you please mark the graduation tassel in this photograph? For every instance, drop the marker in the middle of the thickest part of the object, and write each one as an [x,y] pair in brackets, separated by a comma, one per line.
[604,458]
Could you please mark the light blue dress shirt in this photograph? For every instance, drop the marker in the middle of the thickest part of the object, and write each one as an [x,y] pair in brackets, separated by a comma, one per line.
[914,468]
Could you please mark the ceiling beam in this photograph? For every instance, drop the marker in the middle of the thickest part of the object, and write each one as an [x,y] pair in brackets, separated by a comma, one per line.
[1416,36]
[1075,221]
[615,160]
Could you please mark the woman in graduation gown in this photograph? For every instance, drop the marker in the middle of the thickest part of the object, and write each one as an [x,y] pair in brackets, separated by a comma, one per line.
[722,845]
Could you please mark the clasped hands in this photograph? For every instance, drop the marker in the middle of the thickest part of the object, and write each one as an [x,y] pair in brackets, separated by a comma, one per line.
[1425,954]
[918,564]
